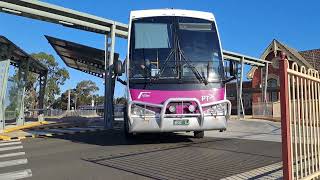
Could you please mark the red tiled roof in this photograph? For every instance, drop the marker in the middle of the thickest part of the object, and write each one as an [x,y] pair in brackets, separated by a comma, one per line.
[313,57]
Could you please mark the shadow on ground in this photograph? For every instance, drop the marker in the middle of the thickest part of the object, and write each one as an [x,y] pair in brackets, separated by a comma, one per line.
[174,155]
[117,137]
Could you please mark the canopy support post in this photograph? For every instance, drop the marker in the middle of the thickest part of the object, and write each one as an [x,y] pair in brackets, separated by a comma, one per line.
[109,86]
[240,108]
[265,89]
[106,81]
[4,73]
[22,79]
[43,83]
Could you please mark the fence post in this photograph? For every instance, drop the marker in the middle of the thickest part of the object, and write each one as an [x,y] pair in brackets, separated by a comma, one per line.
[285,118]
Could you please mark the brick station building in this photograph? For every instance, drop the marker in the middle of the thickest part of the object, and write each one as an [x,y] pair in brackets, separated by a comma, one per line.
[252,93]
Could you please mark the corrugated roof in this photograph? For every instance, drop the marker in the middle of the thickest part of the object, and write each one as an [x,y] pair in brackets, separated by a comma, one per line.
[83,58]
[17,55]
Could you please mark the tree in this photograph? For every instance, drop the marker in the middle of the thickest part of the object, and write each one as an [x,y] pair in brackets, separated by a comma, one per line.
[81,95]
[120,100]
[12,103]
[98,99]
[62,101]
[85,92]
[56,78]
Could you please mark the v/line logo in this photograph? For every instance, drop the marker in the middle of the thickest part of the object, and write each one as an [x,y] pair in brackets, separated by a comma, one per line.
[144,95]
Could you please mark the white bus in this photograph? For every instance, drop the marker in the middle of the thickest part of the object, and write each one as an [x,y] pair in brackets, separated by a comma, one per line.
[175,73]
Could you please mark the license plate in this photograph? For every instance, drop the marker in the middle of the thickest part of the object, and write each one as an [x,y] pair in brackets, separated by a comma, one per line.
[181,122]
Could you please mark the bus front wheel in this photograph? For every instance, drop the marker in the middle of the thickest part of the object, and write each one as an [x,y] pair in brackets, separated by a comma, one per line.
[198,134]
[126,125]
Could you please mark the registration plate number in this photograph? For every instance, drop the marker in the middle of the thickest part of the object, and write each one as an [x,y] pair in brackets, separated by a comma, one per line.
[181,122]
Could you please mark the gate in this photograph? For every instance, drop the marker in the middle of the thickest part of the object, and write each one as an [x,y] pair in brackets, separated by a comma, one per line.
[300,113]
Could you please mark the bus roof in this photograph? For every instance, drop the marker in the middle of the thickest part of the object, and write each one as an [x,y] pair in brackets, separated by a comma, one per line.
[171,12]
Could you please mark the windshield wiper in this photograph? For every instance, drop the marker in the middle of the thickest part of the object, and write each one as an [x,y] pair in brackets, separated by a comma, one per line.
[194,70]
[192,67]
[157,77]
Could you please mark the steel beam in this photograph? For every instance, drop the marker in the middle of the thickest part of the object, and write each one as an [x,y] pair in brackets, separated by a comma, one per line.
[241,87]
[22,79]
[59,15]
[109,89]
[238,91]
[106,81]
[228,55]
[110,79]
[240,108]
[43,83]
[265,89]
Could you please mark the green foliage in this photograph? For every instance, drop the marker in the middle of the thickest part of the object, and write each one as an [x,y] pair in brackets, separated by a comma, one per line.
[99,99]
[56,78]
[85,90]
[13,99]
[62,101]
[120,100]
[83,94]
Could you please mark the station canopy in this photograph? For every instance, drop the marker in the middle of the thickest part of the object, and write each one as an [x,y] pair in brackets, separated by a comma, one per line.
[9,50]
[240,58]
[81,57]
[67,17]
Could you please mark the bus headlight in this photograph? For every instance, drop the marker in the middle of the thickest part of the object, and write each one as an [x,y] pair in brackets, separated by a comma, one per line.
[140,111]
[172,109]
[191,108]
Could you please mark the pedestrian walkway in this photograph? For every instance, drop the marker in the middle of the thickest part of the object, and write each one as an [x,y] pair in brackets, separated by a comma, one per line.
[260,130]
[272,172]
[13,163]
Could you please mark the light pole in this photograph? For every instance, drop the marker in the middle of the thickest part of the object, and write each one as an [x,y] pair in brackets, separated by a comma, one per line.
[69,101]
[75,101]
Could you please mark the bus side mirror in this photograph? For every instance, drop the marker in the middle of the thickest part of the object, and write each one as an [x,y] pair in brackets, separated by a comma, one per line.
[118,68]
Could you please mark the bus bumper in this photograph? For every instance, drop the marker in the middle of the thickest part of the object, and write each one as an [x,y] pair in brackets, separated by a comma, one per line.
[191,122]
[167,124]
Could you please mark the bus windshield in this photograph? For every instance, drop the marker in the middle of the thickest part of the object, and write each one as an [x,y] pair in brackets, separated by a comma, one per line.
[174,48]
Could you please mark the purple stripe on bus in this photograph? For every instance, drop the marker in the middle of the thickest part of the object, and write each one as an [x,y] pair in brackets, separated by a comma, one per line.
[159,96]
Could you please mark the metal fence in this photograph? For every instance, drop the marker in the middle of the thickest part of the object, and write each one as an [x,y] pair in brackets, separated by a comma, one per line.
[58,113]
[262,109]
[300,113]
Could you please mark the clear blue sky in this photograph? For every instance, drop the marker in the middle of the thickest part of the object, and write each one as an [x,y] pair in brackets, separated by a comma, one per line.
[245,26]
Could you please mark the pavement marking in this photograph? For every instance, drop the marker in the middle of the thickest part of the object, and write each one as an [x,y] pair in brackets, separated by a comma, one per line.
[13,162]
[10,143]
[64,131]
[30,125]
[273,171]
[12,154]
[14,140]
[34,133]
[10,148]
[16,175]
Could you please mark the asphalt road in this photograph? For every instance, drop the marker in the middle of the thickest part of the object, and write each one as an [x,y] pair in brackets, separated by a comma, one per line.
[108,155]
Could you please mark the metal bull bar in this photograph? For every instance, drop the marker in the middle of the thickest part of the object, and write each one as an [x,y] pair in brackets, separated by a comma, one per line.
[170,100]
